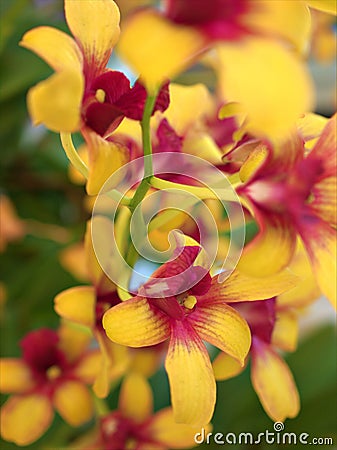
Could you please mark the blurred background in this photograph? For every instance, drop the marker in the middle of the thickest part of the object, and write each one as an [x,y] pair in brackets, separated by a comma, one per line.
[43,214]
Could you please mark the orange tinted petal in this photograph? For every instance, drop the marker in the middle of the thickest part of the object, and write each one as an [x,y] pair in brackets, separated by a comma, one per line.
[16,377]
[274,383]
[222,326]
[320,241]
[73,401]
[136,324]
[25,418]
[192,384]
[272,248]
[241,287]
[226,367]
[164,429]
[77,304]
[135,400]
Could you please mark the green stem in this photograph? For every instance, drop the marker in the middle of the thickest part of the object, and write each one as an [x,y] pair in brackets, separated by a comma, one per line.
[147,148]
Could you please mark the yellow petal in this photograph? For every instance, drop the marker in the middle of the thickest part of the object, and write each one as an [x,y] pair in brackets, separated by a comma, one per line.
[72,259]
[97,276]
[222,326]
[77,304]
[306,290]
[73,339]
[73,401]
[164,429]
[285,332]
[288,20]
[320,241]
[95,26]
[104,159]
[270,83]
[188,105]
[328,6]
[254,162]
[88,367]
[25,418]
[135,400]
[136,324]
[16,377]
[241,287]
[57,48]
[145,361]
[56,102]
[175,48]
[325,200]
[271,249]
[225,367]
[274,384]
[310,127]
[192,384]
[114,363]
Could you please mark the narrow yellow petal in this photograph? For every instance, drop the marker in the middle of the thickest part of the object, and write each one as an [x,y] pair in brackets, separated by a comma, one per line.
[135,400]
[222,326]
[57,48]
[113,364]
[56,102]
[192,384]
[136,324]
[241,287]
[175,47]
[88,367]
[73,339]
[16,377]
[254,162]
[320,241]
[95,26]
[77,304]
[271,249]
[25,418]
[225,367]
[278,90]
[163,428]
[73,401]
[274,384]
[306,291]
[285,332]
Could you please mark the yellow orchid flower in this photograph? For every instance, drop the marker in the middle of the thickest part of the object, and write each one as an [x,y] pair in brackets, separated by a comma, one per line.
[168,307]
[52,374]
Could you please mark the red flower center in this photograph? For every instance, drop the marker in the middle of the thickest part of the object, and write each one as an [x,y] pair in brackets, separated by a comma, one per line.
[41,353]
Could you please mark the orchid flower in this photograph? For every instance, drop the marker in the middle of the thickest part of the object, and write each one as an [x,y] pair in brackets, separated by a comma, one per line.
[165,308]
[53,373]
[292,194]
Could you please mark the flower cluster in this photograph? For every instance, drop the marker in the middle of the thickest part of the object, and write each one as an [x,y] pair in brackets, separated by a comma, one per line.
[203,315]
